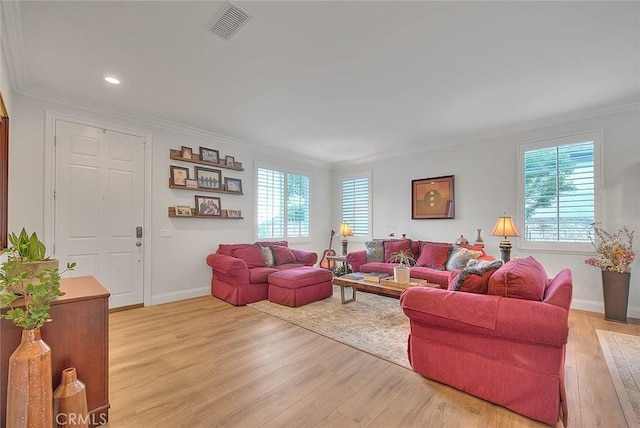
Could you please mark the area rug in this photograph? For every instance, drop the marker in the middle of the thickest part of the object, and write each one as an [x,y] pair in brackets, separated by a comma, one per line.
[622,354]
[373,324]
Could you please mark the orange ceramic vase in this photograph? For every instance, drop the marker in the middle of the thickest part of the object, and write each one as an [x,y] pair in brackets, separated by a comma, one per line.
[29,390]
[70,401]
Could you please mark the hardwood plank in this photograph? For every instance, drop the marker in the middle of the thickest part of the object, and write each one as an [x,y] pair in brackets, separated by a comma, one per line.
[204,363]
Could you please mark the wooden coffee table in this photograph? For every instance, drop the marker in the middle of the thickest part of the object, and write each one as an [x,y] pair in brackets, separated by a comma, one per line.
[386,287]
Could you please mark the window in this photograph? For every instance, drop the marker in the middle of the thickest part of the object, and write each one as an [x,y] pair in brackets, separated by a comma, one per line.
[560,179]
[355,204]
[283,204]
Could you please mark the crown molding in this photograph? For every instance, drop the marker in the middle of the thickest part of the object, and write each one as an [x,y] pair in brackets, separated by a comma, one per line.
[561,119]
[12,44]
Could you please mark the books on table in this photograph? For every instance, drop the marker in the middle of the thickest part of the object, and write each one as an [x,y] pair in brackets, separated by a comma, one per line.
[374,276]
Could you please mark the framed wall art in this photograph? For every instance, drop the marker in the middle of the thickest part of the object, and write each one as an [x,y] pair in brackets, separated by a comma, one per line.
[233,185]
[183,211]
[179,175]
[207,205]
[209,155]
[208,178]
[186,152]
[432,198]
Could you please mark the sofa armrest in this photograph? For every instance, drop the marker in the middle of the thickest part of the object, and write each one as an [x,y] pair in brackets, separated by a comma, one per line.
[357,259]
[516,319]
[228,268]
[307,258]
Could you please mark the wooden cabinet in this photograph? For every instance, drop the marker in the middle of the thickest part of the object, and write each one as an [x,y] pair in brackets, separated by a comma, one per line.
[78,337]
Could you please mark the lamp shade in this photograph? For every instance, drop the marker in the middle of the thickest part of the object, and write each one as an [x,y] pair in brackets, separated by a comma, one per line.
[345,230]
[505,227]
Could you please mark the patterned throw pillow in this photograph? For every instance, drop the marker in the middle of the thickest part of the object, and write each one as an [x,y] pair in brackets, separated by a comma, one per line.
[267,256]
[460,256]
[375,251]
[474,279]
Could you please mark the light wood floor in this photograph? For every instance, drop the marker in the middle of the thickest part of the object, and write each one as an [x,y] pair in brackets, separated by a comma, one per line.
[204,363]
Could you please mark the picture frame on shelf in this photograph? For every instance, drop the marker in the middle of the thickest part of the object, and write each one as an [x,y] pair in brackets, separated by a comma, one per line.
[179,176]
[183,211]
[433,198]
[234,213]
[209,155]
[208,206]
[233,185]
[191,183]
[208,178]
[186,152]
[229,161]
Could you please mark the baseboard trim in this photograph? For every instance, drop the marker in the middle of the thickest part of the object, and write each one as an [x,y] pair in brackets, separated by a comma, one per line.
[180,295]
[126,308]
[598,307]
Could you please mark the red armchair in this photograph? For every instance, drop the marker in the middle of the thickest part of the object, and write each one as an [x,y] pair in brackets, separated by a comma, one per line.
[239,273]
[509,351]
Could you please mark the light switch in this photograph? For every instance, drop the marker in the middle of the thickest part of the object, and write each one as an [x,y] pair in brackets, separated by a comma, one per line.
[166,233]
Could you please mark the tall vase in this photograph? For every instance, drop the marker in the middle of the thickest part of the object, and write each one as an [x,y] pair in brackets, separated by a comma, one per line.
[70,401]
[615,288]
[29,391]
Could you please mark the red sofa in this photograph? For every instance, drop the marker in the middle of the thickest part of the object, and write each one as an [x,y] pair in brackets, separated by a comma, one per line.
[240,274]
[506,350]
[431,257]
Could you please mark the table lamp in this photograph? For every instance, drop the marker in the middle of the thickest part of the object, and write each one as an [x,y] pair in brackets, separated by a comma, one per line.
[505,227]
[345,230]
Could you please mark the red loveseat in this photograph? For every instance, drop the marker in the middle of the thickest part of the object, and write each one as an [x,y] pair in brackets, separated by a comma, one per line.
[432,258]
[240,273]
[506,350]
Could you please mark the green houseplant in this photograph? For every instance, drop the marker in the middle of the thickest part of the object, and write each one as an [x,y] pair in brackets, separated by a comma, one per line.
[29,282]
[405,260]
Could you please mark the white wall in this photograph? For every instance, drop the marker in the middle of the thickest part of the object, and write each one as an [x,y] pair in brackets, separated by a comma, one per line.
[485,186]
[177,269]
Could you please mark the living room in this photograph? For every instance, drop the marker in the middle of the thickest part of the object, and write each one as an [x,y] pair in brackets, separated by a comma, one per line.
[483,154]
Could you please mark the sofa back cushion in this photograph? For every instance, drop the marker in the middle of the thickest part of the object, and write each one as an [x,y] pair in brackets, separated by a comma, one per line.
[282,255]
[268,243]
[252,256]
[520,278]
[228,249]
[434,255]
[396,246]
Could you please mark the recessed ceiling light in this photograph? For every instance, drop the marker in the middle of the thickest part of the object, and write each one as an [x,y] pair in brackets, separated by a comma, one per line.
[112,80]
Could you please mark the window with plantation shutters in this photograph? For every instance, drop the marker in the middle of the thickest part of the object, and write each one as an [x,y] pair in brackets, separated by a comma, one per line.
[282,205]
[355,204]
[560,179]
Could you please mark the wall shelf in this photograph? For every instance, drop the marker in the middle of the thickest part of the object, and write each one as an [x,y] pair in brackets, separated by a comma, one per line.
[172,214]
[202,189]
[195,158]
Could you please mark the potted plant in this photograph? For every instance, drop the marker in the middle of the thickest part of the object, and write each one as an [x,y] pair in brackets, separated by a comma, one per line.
[614,255]
[26,292]
[405,260]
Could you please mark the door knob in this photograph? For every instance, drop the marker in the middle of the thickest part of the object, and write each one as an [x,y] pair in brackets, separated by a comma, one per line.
[138,244]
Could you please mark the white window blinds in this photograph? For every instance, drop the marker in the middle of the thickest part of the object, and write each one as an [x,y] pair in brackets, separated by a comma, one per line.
[282,197]
[355,204]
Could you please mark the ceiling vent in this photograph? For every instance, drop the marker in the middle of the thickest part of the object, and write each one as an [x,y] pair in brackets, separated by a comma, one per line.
[229,21]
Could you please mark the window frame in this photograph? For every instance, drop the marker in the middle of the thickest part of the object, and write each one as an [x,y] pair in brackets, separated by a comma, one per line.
[350,176]
[554,246]
[286,172]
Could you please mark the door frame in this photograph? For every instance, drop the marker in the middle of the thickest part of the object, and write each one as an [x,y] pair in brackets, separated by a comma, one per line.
[50,176]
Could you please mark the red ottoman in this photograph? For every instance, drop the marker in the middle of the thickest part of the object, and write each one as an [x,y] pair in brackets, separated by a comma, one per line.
[299,286]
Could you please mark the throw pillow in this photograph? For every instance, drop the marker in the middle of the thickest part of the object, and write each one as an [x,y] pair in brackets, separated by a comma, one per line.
[391,247]
[267,256]
[434,255]
[520,278]
[479,263]
[475,279]
[251,255]
[460,256]
[282,255]
[375,251]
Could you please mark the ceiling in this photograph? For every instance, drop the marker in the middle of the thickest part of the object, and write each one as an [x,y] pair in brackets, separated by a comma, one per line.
[332,81]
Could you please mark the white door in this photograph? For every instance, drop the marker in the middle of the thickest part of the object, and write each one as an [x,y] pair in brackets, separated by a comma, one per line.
[99,204]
